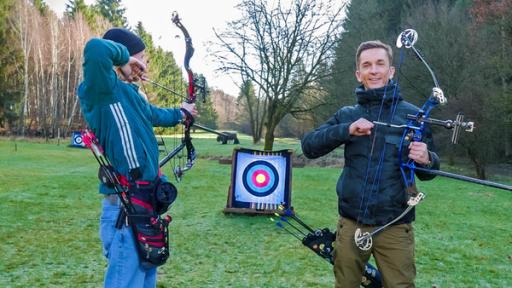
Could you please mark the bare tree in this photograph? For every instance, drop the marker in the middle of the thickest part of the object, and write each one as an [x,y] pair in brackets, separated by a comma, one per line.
[21,24]
[79,32]
[51,49]
[226,107]
[283,50]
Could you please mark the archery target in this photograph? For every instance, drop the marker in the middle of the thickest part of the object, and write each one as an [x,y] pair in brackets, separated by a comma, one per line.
[260,178]
[77,140]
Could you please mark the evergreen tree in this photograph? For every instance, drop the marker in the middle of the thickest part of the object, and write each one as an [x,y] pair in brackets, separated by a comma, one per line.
[10,57]
[78,7]
[113,11]
[41,6]
[471,72]
[366,20]
[73,7]
[163,70]
[207,114]
[146,38]
[250,107]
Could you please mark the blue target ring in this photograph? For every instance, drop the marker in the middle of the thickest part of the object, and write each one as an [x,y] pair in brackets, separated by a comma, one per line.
[260,178]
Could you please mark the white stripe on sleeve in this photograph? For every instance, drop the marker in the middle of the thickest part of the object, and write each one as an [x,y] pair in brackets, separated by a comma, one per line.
[122,133]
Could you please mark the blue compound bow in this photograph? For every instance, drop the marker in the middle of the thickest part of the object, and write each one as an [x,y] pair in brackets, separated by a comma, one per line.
[414,130]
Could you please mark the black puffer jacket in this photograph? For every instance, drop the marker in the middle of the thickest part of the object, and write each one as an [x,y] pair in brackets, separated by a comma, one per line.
[366,193]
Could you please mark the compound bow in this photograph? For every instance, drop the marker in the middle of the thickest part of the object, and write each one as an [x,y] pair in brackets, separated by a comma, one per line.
[414,130]
[196,85]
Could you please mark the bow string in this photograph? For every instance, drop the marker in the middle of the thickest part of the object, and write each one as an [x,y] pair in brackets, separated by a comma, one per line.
[196,85]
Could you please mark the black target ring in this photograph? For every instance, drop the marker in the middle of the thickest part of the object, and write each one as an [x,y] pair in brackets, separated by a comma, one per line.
[270,170]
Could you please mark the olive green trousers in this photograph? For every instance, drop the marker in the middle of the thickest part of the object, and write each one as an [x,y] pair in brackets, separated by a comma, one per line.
[393,250]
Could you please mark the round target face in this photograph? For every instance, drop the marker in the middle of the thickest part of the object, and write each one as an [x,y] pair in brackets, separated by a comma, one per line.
[260,178]
[78,139]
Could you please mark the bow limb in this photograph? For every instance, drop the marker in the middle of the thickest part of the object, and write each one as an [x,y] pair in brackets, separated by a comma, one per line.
[189,52]
[364,240]
[191,98]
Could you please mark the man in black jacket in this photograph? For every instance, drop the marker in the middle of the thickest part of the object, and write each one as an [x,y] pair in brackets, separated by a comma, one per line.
[371,191]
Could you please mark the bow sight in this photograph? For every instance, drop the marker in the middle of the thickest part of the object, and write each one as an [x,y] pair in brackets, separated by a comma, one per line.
[456,125]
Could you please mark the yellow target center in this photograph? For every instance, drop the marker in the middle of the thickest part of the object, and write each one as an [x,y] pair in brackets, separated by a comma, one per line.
[260,178]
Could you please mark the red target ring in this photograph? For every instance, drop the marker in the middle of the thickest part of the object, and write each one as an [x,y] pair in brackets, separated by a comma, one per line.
[260,178]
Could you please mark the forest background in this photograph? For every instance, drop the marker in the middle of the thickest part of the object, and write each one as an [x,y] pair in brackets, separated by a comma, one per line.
[468,42]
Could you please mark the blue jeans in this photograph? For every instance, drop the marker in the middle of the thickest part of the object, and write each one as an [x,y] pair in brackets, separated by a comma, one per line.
[124,269]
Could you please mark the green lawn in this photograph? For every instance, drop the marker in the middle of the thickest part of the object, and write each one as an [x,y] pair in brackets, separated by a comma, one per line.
[49,210]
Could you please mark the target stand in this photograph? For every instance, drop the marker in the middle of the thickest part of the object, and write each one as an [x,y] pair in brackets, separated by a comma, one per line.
[260,182]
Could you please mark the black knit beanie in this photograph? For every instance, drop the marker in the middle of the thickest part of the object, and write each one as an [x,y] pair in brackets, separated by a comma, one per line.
[127,38]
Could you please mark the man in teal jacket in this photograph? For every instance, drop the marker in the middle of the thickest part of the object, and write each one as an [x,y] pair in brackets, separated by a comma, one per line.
[370,190]
[122,120]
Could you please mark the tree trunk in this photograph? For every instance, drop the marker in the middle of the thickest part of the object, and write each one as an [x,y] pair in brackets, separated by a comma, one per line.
[274,116]
[54,93]
[25,42]
[479,163]
[42,106]
[504,88]
[269,138]
[67,113]
[24,106]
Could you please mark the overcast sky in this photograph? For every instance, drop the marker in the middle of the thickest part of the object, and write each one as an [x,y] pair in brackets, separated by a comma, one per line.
[198,16]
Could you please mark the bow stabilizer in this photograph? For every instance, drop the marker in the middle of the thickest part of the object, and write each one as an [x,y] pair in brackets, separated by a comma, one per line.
[321,241]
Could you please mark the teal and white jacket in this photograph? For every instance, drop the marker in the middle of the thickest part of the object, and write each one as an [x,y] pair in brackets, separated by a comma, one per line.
[119,116]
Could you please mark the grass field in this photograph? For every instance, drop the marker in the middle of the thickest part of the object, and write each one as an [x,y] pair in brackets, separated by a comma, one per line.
[49,210]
